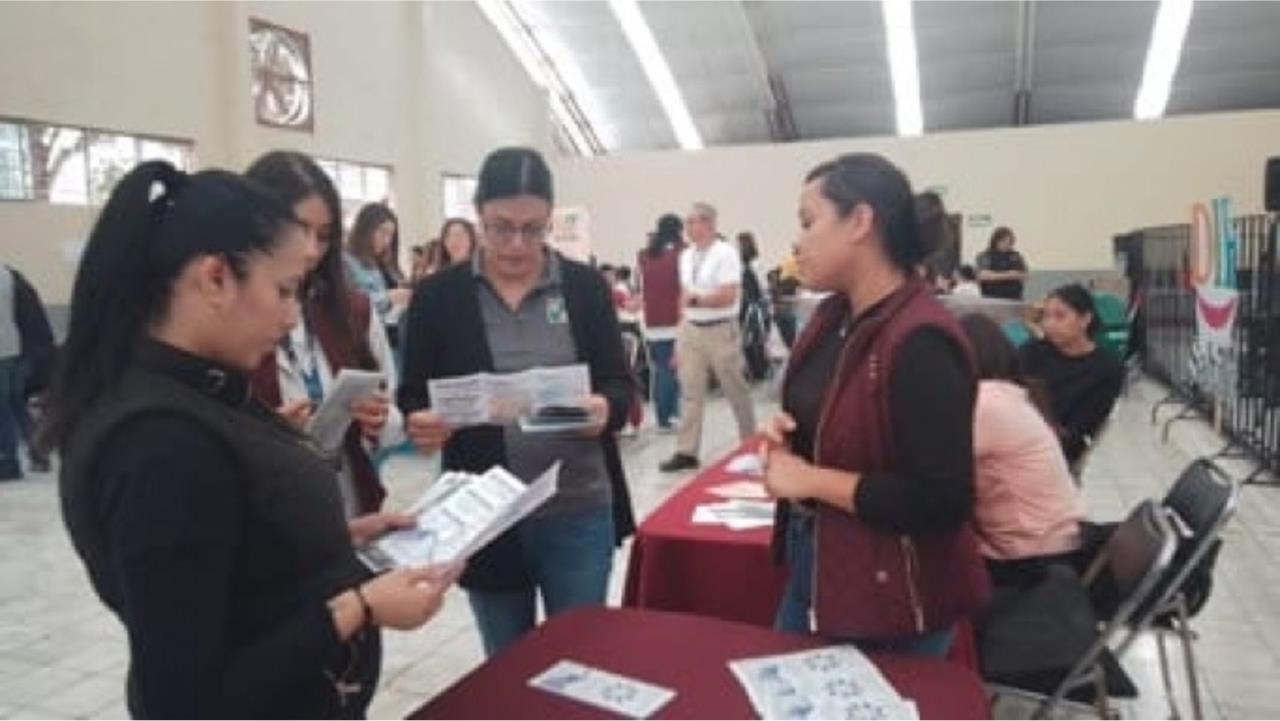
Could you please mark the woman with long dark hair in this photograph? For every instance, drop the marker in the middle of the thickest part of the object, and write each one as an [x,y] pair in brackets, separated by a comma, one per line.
[1083,380]
[659,265]
[372,267]
[338,329]
[872,458]
[458,241]
[208,525]
[1027,509]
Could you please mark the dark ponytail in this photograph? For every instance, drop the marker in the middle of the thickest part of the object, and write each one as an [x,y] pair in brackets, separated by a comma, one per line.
[157,220]
[1080,300]
[669,234]
[512,172]
[871,180]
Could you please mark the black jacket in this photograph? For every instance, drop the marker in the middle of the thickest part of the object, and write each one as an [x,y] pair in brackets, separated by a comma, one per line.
[444,337]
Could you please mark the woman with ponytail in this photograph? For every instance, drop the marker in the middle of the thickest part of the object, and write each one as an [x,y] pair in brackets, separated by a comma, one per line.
[872,458]
[338,329]
[208,525]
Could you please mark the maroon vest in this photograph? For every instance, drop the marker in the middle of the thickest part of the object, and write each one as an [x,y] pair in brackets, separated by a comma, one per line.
[869,583]
[660,279]
[342,352]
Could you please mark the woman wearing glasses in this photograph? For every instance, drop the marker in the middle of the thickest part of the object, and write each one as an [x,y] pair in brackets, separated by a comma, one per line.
[517,305]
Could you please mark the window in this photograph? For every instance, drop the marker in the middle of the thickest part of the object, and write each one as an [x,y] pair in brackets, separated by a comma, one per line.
[74,166]
[459,196]
[358,184]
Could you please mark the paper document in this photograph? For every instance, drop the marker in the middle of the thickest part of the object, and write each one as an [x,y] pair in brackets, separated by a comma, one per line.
[500,398]
[737,514]
[460,514]
[602,689]
[330,421]
[748,464]
[746,490]
[836,682]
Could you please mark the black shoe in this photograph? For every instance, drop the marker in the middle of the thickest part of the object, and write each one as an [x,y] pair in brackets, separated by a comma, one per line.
[678,462]
[40,464]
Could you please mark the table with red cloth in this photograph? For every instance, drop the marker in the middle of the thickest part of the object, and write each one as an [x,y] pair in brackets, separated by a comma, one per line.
[688,654]
[677,565]
[710,570]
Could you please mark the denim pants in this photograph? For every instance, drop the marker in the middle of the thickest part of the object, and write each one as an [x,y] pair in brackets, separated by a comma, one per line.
[570,557]
[666,387]
[793,611]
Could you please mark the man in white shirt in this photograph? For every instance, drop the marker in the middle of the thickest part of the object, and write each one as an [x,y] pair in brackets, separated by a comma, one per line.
[708,338]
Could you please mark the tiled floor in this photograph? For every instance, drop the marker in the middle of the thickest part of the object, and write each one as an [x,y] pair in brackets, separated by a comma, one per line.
[62,655]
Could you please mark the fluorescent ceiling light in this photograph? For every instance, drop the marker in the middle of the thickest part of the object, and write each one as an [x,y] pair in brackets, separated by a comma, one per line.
[1167,36]
[904,65]
[640,35]
[551,68]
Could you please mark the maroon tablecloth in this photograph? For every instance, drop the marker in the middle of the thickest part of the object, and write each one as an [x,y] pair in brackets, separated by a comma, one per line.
[686,653]
[707,570]
[676,565]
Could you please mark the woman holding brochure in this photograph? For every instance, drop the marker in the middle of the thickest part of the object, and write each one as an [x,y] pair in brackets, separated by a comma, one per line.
[532,321]
[208,525]
[338,330]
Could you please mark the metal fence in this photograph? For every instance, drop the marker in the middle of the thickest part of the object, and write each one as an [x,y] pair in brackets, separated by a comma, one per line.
[1250,400]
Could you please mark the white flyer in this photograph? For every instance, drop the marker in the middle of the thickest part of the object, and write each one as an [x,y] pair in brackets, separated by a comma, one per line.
[501,398]
[737,514]
[460,514]
[836,682]
[745,490]
[603,689]
[330,421]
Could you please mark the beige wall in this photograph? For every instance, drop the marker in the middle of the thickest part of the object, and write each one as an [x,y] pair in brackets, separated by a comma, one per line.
[427,89]
[1066,190]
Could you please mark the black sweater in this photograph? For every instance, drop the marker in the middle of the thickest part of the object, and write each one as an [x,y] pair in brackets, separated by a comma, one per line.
[1081,390]
[445,337]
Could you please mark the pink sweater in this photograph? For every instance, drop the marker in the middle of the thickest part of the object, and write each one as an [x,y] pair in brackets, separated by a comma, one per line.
[1027,503]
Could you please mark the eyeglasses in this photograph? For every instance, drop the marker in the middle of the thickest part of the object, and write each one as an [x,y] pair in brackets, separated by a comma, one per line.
[505,233]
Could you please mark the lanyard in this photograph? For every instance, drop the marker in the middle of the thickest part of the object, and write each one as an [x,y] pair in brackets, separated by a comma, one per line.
[310,373]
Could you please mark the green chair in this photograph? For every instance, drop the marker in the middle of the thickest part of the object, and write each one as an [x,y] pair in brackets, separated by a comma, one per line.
[1114,316]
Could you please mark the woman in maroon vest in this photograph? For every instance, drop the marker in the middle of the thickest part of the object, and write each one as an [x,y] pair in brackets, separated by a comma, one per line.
[659,265]
[872,458]
[337,330]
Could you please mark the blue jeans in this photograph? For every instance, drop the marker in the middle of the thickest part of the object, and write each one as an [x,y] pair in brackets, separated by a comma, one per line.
[793,611]
[570,558]
[12,416]
[666,387]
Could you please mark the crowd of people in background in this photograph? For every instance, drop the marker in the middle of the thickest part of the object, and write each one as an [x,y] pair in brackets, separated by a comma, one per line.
[213,313]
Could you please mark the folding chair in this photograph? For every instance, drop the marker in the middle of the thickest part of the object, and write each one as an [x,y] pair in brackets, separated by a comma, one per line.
[1131,563]
[1200,503]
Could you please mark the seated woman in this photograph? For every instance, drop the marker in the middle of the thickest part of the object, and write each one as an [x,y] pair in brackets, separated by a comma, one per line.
[1081,379]
[1027,509]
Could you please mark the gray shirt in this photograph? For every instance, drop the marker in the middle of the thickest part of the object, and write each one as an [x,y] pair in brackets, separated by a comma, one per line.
[538,334]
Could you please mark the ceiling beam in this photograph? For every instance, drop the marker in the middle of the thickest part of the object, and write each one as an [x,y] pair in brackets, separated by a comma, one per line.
[777,110]
[1024,62]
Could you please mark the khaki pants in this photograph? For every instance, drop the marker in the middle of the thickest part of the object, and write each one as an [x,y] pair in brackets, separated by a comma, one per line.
[714,349]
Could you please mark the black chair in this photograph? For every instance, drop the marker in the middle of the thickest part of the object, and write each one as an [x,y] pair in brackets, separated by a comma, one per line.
[1130,565]
[1200,504]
